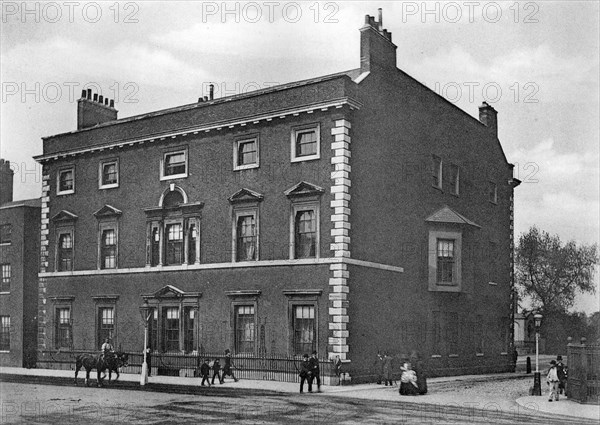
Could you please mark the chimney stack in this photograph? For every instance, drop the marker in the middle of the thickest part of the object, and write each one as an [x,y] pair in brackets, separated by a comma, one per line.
[376,47]
[211,91]
[6,182]
[94,110]
[489,117]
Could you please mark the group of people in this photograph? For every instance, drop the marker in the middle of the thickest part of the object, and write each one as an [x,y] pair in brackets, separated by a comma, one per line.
[556,378]
[413,379]
[309,372]
[218,372]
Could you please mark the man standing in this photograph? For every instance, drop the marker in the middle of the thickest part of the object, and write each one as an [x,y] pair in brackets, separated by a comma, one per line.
[305,374]
[560,372]
[314,371]
[227,369]
[379,367]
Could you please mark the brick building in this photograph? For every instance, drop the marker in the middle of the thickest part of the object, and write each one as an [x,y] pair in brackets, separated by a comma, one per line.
[349,213]
[19,257]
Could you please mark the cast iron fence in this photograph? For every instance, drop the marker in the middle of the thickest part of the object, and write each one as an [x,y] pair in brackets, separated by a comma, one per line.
[269,367]
[583,377]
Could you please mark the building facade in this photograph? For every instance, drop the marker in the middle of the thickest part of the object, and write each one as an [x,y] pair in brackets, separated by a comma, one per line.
[19,259]
[347,214]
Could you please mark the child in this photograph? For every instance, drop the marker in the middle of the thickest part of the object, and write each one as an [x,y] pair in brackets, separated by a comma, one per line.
[216,371]
[552,380]
[205,371]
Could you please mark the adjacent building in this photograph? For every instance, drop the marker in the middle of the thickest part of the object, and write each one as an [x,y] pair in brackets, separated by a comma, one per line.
[349,214]
[19,259]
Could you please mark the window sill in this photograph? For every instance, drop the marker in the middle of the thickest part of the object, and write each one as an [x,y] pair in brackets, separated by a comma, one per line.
[453,355]
[504,354]
[479,354]
[6,244]
[436,356]
[5,293]
[305,158]
[438,188]
[245,167]
[4,351]
[174,176]
[109,186]
[65,192]
[492,283]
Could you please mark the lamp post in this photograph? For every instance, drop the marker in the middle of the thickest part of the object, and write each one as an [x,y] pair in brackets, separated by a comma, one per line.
[145,311]
[537,385]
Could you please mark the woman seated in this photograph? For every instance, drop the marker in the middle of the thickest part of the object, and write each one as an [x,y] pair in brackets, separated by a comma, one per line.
[408,381]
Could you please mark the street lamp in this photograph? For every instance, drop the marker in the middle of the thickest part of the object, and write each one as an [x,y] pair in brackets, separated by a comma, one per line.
[146,312]
[537,385]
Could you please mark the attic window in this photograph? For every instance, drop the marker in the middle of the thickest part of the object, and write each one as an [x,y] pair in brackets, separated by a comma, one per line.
[306,143]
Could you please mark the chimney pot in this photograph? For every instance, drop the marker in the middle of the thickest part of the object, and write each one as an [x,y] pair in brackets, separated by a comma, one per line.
[489,117]
[205,98]
[380,25]
[211,91]
[200,99]
[89,94]
[101,99]
[83,94]
[112,103]
[95,97]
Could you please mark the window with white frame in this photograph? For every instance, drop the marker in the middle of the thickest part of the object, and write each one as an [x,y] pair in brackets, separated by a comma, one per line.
[106,324]
[303,329]
[63,337]
[246,153]
[65,181]
[445,251]
[306,143]
[244,328]
[305,231]
[436,171]
[64,251]
[6,277]
[173,230]
[4,333]
[108,249]
[246,235]
[174,164]
[171,329]
[109,174]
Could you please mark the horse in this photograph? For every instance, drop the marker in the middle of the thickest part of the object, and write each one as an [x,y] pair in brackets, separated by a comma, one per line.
[100,363]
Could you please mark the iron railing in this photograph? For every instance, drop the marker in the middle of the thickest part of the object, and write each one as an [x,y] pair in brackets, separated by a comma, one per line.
[583,377]
[269,367]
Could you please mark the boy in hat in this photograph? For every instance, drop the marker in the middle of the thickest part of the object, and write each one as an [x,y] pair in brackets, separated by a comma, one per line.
[552,380]
[305,374]
[205,371]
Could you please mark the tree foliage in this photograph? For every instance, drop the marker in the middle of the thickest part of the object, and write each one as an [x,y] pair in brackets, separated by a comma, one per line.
[552,273]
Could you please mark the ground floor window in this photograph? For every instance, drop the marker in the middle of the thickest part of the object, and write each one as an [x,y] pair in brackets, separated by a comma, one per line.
[106,324]
[171,329]
[63,336]
[304,329]
[244,329]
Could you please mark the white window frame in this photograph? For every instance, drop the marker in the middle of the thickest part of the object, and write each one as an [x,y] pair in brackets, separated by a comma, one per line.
[238,212]
[102,164]
[58,175]
[236,147]
[163,163]
[9,332]
[456,285]
[61,231]
[304,206]
[300,129]
[108,225]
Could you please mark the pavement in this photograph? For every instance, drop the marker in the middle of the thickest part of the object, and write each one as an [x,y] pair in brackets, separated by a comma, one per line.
[528,405]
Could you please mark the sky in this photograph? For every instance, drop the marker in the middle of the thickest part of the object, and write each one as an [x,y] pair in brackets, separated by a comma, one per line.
[536,63]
